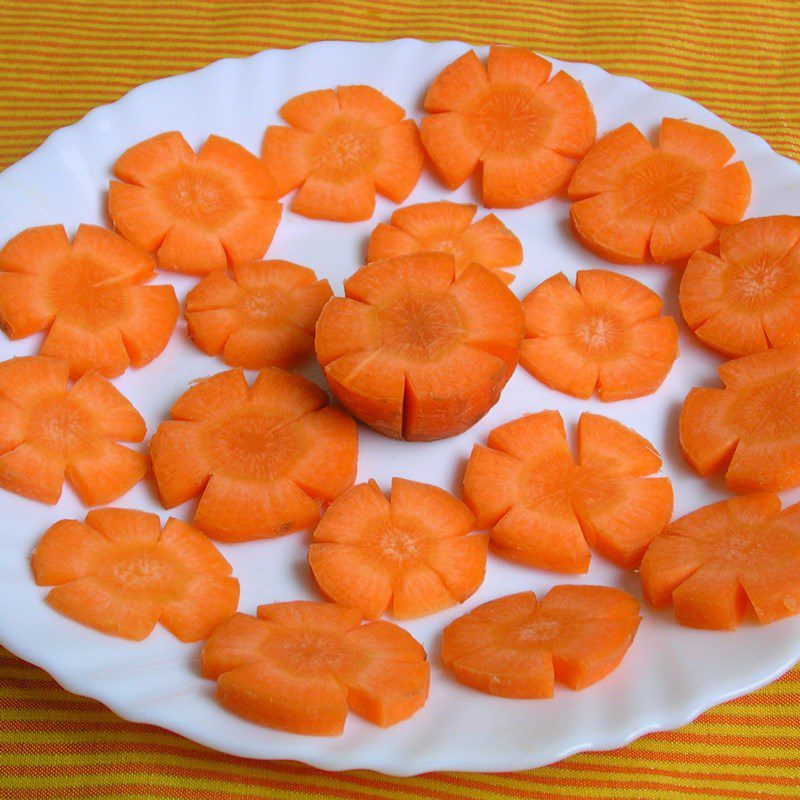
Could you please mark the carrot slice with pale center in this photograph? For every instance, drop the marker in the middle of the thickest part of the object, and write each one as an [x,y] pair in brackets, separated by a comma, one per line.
[301,665]
[411,553]
[416,352]
[343,146]
[197,212]
[605,335]
[85,296]
[721,559]
[517,647]
[264,317]
[546,510]
[445,227]
[751,428]
[120,573]
[263,458]
[634,202]
[49,431]
[527,133]
[748,298]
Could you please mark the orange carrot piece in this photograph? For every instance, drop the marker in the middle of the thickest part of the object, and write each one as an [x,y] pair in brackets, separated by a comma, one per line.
[751,428]
[86,296]
[197,212]
[415,352]
[516,647]
[342,147]
[634,202]
[263,458]
[547,511]
[605,335]
[411,553]
[721,559]
[526,132]
[301,665]
[120,573]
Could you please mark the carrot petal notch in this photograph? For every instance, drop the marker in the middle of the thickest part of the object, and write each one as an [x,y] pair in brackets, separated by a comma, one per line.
[635,202]
[525,131]
[547,510]
[197,211]
[300,666]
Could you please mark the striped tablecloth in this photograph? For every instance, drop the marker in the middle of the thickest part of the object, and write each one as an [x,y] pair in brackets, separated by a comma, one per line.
[59,59]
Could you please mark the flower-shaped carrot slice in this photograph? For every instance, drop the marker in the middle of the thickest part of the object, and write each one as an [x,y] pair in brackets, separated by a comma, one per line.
[412,553]
[340,148]
[263,458]
[49,430]
[636,202]
[121,574]
[717,561]
[546,510]
[87,296]
[197,211]
[264,317]
[445,227]
[605,335]
[301,665]
[751,428]
[517,647]
[527,132]
[748,298]
[415,352]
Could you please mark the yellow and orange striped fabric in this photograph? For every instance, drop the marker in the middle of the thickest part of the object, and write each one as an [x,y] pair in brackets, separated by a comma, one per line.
[59,59]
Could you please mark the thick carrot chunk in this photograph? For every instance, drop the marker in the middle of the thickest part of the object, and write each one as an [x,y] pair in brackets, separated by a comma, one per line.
[343,146]
[635,202]
[263,317]
[445,227]
[411,553]
[517,647]
[49,431]
[197,212]
[120,573]
[748,298]
[605,335]
[751,428]
[87,298]
[527,133]
[416,352]
[263,458]
[300,666]
[717,561]
[546,510]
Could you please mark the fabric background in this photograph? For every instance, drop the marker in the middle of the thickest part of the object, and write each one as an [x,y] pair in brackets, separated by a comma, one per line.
[60,59]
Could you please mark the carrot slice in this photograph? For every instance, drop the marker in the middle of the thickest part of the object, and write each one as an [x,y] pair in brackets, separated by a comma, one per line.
[120,573]
[300,666]
[445,227]
[411,553]
[265,317]
[527,132]
[634,202]
[717,561]
[605,336]
[262,458]
[751,428]
[51,431]
[197,212]
[416,353]
[748,298]
[516,647]
[342,147]
[546,510]
[85,296]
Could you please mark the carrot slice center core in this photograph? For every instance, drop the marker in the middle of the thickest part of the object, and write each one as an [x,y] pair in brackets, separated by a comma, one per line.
[345,148]
[600,335]
[198,195]
[778,394]
[661,186]
[758,285]
[140,570]
[60,425]
[509,120]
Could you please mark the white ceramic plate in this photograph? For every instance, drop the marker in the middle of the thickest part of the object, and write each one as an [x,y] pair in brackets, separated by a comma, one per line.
[670,674]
